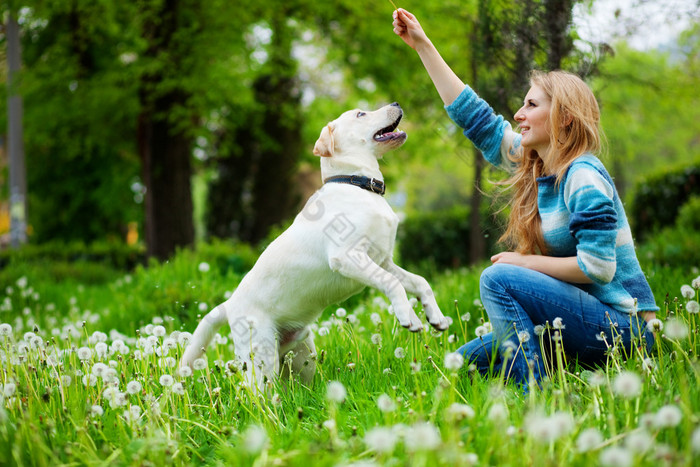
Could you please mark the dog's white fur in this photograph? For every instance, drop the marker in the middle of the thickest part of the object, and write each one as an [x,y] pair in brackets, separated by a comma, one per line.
[341,241]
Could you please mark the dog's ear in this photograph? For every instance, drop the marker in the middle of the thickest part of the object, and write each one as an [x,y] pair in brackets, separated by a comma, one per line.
[325,145]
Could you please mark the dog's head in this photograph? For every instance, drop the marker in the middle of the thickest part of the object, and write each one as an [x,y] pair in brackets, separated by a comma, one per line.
[362,132]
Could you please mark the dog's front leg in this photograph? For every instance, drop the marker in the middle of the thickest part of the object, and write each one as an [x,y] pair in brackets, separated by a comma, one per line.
[419,287]
[356,264]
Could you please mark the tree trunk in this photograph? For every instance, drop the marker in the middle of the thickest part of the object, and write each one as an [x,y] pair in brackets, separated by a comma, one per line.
[165,148]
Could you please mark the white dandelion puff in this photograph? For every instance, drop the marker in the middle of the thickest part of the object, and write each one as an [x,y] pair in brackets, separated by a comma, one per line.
[454,361]
[695,441]
[5,330]
[184,371]
[184,338]
[523,336]
[399,352]
[423,436]
[627,384]
[336,392]
[341,313]
[84,353]
[589,439]
[481,331]
[96,411]
[9,389]
[375,318]
[203,267]
[458,412]
[255,439]
[133,387]
[498,412]
[199,364]
[381,439]
[695,283]
[558,323]
[178,389]
[385,403]
[687,291]
[159,331]
[692,307]
[639,441]
[539,330]
[376,339]
[616,457]
[655,325]
[90,380]
[676,329]
[166,380]
[668,416]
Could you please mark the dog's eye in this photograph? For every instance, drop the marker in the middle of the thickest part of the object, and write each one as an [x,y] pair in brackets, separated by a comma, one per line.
[360,114]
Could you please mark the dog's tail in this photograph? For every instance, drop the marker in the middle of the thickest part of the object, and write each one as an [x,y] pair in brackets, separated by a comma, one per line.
[203,335]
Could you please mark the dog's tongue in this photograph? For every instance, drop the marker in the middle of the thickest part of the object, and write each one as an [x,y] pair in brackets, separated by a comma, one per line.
[389,135]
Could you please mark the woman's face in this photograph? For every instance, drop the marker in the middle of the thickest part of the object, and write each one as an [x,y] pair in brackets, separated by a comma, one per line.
[533,119]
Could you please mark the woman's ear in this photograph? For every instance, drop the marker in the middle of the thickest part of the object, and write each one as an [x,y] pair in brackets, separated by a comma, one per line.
[325,145]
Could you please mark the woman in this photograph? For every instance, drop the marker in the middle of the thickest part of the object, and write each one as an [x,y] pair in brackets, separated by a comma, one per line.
[573,266]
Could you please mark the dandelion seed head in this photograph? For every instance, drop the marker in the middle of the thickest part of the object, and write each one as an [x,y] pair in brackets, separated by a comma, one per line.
[539,330]
[385,403]
[627,385]
[376,339]
[498,412]
[454,361]
[203,267]
[558,323]
[89,380]
[589,438]
[184,338]
[481,331]
[687,291]
[381,439]
[422,436]
[255,439]
[133,387]
[457,412]
[376,319]
[639,441]
[159,331]
[415,367]
[399,352]
[696,283]
[668,416]
[178,388]
[523,336]
[166,380]
[199,364]
[616,457]
[695,441]
[655,325]
[5,330]
[692,307]
[96,411]
[8,389]
[202,307]
[341,313]
[676,329]
[335,392]
[84,353]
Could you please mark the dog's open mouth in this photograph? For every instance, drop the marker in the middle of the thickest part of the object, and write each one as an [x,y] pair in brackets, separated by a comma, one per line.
[389,132]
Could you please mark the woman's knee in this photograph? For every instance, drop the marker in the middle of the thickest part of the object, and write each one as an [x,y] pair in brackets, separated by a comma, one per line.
[498,277]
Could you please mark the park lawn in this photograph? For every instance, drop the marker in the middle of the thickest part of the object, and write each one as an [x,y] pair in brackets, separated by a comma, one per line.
[89,377]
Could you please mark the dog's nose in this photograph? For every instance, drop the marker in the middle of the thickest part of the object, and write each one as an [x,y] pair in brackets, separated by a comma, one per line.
[396,104]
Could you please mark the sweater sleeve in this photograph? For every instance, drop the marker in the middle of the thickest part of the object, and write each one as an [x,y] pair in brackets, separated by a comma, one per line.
[593,221]
[490,133]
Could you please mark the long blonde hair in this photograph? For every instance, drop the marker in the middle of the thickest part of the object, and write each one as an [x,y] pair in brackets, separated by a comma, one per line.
[574,117]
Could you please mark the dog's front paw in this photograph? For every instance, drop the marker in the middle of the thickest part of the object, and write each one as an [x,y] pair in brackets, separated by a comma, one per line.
[408,319]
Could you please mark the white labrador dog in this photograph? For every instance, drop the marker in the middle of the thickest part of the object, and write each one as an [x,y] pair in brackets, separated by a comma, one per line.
[339,243]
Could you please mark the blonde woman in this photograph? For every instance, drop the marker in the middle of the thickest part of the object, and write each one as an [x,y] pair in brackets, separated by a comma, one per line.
[572,264]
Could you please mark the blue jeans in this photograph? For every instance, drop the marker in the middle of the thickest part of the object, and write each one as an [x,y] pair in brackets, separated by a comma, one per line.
[517,299]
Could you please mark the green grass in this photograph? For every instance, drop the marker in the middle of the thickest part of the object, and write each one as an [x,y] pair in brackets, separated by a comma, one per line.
[401,407]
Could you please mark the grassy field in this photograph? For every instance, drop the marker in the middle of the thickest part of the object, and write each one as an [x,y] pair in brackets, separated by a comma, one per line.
[89,378]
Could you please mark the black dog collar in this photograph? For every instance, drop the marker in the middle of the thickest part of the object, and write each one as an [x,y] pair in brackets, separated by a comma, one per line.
[366,183]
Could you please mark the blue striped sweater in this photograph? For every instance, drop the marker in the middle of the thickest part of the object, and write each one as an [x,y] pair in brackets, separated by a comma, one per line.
[582,217]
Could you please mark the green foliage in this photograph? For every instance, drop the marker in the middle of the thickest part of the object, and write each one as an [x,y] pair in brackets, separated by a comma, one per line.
[441,238]
[689,214]
[658,198]
[394,380]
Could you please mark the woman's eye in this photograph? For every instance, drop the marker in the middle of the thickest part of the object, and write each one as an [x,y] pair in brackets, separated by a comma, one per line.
[360,114]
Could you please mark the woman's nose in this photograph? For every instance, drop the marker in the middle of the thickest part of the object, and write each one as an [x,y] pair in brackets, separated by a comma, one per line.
[519,115]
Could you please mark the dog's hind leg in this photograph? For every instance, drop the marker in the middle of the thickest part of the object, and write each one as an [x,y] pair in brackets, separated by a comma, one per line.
[419,287]
[298,357]
[203,335]
[256,346]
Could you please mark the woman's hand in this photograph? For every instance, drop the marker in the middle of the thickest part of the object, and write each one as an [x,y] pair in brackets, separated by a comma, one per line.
[511,257]
[407,27]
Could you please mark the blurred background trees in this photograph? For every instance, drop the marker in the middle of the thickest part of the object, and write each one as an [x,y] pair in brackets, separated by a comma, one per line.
[164,122]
